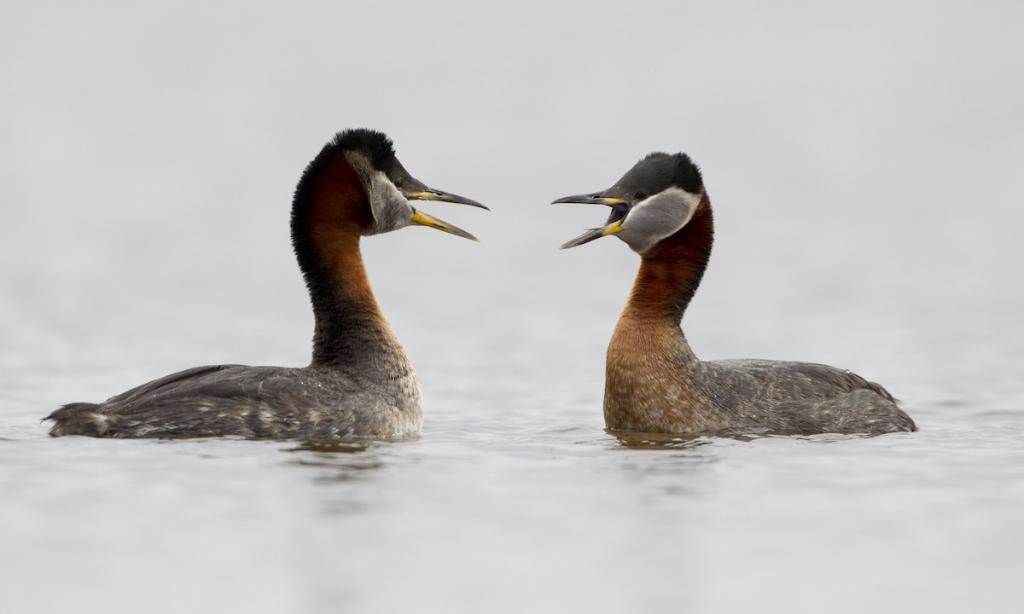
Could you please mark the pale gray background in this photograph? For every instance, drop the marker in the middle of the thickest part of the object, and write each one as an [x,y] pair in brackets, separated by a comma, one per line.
[864,161]
[151,151]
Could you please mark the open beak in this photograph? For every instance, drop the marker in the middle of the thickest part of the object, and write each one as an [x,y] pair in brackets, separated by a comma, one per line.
[620,208]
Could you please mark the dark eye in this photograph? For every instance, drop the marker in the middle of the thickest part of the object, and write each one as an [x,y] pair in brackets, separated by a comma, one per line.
[640,196]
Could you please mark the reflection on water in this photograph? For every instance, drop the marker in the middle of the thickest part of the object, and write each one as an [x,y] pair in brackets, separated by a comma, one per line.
[331,447]
[657,441]
[338,461]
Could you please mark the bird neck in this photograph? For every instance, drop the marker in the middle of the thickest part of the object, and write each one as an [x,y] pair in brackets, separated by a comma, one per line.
[329,215]
[671,271]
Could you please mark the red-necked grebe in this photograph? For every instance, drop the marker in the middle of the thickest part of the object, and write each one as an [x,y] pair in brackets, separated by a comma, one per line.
[359,384]
[654,382]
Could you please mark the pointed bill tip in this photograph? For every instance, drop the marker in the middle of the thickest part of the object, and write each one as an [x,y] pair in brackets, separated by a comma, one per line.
[587,237]
[422,219]
[594,234]
[444,197]
[589,199]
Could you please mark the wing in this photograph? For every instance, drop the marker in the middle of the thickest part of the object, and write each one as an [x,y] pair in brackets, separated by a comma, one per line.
[167,381]
[253,402]
[799,397]
[802,380]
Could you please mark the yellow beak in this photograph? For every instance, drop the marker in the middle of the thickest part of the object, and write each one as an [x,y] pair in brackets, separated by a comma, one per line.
[422,219]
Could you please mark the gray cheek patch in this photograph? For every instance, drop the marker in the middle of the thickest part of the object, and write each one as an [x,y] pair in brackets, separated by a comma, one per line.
[390,209]
[657,218]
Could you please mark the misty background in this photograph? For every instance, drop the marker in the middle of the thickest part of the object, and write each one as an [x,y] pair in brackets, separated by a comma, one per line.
[864,154]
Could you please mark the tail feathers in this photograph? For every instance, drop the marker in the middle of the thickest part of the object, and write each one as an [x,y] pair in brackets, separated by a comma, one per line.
[882,392]
[78,419]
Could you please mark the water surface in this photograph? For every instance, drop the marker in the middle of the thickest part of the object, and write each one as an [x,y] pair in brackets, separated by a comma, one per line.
[515,499]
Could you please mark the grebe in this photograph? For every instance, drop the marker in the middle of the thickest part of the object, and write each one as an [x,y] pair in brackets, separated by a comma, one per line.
[359,384]
[654,381]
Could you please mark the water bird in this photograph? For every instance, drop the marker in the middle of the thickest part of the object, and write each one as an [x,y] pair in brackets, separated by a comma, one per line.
[359,383]
[654,382]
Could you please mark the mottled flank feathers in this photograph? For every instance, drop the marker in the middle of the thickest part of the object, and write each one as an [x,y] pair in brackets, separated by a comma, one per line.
[802,398]
[665,388]
[254,403]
